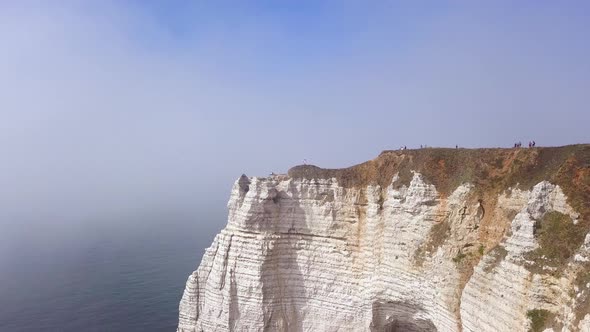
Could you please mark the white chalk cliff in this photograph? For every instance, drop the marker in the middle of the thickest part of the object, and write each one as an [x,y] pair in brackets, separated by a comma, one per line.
[310,251]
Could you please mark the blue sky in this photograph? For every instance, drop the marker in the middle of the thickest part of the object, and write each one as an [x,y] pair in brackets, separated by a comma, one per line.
[117,108]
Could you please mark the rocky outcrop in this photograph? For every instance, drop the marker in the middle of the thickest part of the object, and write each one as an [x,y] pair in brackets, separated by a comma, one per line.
[389,245]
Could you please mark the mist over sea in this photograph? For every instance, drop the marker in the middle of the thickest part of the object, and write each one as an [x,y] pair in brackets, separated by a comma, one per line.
[101,278]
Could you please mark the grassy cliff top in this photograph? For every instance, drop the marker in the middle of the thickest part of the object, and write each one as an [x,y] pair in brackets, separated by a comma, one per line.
[447,168]
[491,171]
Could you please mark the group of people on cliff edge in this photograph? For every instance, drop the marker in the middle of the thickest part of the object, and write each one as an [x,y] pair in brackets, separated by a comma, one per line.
[532,144]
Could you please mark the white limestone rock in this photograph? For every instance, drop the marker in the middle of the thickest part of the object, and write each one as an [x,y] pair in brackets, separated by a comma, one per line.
[584,324]
[311,255]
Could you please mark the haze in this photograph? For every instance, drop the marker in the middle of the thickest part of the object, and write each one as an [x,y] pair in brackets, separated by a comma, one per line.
[119,113]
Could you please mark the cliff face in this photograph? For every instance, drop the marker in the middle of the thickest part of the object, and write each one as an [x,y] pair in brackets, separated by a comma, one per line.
[422,240]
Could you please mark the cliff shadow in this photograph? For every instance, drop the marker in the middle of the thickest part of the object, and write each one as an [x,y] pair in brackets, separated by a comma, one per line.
[285,262]
[399,316]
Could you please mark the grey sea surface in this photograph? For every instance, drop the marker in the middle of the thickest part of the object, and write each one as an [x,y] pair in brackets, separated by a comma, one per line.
[100,279]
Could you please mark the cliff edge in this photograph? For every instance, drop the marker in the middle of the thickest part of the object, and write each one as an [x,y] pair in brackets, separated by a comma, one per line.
[414,240]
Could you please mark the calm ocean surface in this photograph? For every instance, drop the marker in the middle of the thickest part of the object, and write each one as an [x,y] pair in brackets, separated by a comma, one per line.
[111,280]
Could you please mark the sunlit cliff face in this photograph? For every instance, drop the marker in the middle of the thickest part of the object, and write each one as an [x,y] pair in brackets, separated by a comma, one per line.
[344,250]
